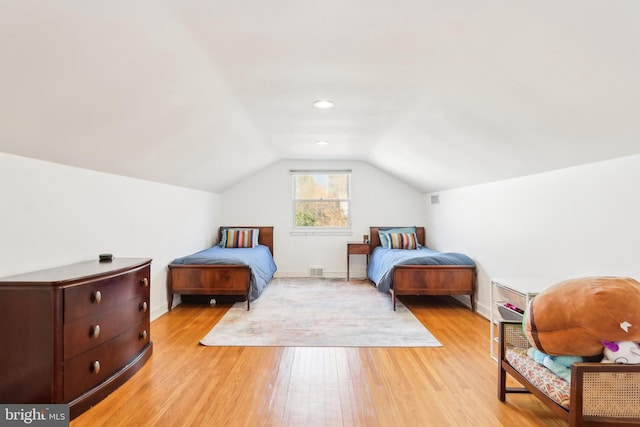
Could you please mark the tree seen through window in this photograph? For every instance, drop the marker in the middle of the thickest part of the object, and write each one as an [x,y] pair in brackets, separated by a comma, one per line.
[321,199]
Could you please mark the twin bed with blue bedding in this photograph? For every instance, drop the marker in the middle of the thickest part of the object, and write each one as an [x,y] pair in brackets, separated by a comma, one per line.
[400,263]
[241,264]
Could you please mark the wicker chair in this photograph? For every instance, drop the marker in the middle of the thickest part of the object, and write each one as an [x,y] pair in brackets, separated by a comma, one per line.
[600,394]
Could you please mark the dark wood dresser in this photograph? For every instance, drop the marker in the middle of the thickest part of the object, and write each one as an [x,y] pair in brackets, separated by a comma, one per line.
[73,334]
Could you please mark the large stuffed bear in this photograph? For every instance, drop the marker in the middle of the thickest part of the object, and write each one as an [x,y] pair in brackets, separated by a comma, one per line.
[574,317]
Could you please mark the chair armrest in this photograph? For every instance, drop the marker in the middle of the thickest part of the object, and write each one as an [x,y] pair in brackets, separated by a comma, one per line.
[606,390]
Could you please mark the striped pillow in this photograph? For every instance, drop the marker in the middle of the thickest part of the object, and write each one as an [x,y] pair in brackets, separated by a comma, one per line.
[403,240]
[384,232]
[240,238]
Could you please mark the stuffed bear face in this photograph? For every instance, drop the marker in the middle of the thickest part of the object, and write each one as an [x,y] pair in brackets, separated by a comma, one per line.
[622,352]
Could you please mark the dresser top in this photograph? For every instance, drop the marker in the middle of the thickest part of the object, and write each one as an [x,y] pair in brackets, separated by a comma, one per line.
[68,274]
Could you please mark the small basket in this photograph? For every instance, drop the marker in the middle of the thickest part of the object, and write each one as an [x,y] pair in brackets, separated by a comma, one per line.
[509,314]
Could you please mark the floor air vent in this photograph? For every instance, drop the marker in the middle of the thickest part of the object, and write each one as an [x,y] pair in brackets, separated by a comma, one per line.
[315,272]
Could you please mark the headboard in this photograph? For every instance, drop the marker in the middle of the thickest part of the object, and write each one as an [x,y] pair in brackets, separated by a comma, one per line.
[374,237]
[265,235]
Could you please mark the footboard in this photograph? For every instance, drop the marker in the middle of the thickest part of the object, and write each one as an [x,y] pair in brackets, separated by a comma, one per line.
[213,279]
[434,280]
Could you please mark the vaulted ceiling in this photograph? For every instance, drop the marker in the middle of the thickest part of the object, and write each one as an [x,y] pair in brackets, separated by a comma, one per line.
[201,94]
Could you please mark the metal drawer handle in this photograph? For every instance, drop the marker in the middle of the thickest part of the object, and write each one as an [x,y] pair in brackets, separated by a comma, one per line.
[144,282]
[95,331]
[97,297]
[95,366]
[143,306]
[143,335]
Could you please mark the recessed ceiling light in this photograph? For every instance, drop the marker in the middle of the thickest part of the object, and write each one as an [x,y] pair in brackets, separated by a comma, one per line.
[323,104]
[322,142]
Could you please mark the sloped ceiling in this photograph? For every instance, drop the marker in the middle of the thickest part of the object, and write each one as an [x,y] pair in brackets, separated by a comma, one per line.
[201,94]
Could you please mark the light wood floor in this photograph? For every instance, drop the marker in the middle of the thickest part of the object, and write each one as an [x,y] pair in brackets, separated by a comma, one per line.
[186,384]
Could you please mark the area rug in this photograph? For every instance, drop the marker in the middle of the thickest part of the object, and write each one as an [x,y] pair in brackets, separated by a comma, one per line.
[320,313]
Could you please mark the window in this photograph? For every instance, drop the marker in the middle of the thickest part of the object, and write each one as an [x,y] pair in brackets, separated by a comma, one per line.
[321,200]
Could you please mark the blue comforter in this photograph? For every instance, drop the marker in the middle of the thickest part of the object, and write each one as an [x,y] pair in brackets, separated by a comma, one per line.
[258,259]
[382,261]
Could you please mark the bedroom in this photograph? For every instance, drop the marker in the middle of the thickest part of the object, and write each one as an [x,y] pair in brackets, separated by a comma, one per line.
[579,218]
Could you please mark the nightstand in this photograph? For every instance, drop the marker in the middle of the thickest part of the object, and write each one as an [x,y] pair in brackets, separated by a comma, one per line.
[357,248]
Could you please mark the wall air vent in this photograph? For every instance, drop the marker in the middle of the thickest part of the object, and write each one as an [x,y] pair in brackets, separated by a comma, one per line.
[315,272]
[435,199]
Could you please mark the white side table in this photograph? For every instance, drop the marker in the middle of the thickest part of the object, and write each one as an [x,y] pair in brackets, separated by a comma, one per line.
[510,298]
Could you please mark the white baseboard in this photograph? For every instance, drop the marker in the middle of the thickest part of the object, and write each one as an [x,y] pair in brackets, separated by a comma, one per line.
[481,309]
[326,274]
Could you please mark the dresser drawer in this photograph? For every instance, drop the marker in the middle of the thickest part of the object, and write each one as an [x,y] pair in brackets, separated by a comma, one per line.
[91,331]
[91,368]
[100,295]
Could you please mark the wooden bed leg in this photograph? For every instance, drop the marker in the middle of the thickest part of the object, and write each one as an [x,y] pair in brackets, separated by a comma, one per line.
[248,303]
[169,289]
[394,300]
[473,303]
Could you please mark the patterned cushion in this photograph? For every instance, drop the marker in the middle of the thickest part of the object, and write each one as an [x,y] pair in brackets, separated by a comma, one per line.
[239,238]
[383,233]
[541,377]
[403,241]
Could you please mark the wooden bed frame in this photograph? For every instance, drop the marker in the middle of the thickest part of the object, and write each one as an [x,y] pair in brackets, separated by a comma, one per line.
[215,279]
[429,279]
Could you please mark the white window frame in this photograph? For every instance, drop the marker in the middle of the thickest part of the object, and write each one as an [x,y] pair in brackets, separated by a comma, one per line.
[313,230]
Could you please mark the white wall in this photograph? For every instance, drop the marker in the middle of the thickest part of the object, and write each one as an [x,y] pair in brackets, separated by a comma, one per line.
[265,199]
[53,215]
[566,223]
